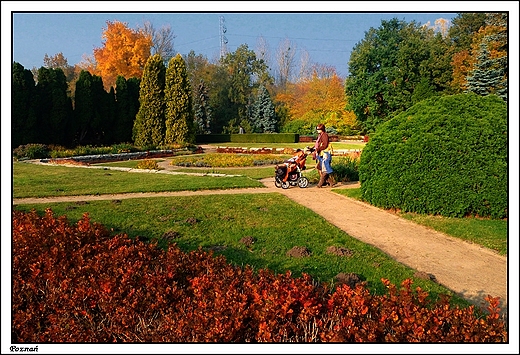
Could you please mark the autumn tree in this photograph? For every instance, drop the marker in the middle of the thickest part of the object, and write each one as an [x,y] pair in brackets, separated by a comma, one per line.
[124,52]
[461,35]
[149,126]
[488,74]
[317,100]
[178,114]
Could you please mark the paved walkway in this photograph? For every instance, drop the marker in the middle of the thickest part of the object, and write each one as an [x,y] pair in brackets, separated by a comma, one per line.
[469,270]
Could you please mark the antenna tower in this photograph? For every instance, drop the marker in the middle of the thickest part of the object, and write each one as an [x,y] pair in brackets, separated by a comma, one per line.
[223,39]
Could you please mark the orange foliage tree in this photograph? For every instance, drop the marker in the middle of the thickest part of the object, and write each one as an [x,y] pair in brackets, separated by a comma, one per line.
[124,52]
[319,99]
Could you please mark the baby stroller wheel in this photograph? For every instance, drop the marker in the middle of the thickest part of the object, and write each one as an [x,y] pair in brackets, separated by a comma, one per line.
[303,182]
[277,182]
[285,185]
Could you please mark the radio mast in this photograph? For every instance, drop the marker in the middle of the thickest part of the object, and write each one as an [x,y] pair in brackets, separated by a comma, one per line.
[223,39]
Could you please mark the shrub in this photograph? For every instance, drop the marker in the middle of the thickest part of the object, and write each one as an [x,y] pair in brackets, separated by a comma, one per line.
[76,283]
[148,164]
[31,151]
[445,155]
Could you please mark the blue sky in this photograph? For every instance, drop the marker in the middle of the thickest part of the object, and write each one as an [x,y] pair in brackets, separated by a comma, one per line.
[328,38]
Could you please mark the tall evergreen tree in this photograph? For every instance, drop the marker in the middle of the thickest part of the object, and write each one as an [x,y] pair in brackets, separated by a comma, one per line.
[149,124]
[179,110]
[127,106]
[263,114]
[109,117]
[54,106]
[202,109]
[488,75]
[89,109]
[23,114]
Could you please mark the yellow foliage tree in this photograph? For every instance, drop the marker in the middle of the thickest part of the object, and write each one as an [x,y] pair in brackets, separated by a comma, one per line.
[124,52]
[319,99]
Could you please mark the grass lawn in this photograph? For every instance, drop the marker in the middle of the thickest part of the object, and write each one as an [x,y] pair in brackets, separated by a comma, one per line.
[31,180]
[275,222]
[489,233]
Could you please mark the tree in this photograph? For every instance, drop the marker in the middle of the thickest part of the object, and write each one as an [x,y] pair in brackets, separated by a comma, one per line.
[238,75]
[162,40]
[263,117]
[23,111]
[89,109]
[285,60]
[149,125]
[488,75]
[54,107]
[127,106]
[462,38]
[388,65]
[203,116]
[317,100]
[124,52]
[179,110]
[464,27]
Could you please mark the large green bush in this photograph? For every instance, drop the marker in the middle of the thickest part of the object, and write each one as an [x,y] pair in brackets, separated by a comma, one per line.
[446,155]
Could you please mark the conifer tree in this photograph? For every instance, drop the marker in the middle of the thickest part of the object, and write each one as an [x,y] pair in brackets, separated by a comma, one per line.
[263,113]
[127,106]
[179,110]
[488,75]
[23,114]
[149,124]
[89,108]
[54,106]
[202,109]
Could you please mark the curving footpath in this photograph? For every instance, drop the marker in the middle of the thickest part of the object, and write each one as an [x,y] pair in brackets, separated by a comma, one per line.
[467,269]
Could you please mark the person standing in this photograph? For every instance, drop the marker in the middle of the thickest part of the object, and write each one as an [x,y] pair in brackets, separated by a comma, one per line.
[323,155]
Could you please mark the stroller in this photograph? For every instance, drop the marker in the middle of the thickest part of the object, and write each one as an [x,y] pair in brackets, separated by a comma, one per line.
[290,173]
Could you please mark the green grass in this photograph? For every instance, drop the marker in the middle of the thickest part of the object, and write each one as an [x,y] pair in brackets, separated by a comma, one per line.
[276,222]
[488,233]
[30,180]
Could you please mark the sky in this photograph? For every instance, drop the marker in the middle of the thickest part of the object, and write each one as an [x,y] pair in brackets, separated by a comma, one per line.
[328,38]
[327,30]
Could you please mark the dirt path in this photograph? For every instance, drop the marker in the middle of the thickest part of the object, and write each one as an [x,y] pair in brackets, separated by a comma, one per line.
[469,270]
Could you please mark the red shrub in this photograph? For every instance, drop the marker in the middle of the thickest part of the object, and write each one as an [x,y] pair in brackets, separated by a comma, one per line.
[76,283]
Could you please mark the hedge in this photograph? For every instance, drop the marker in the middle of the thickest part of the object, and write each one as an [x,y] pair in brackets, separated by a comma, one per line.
[446,156]
[248,138]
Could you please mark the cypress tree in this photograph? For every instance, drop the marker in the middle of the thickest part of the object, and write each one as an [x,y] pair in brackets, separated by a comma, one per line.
[127,106]
[54,106]
[202,109]
[89,109]
[149,126]
[179,111]
[23,114]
